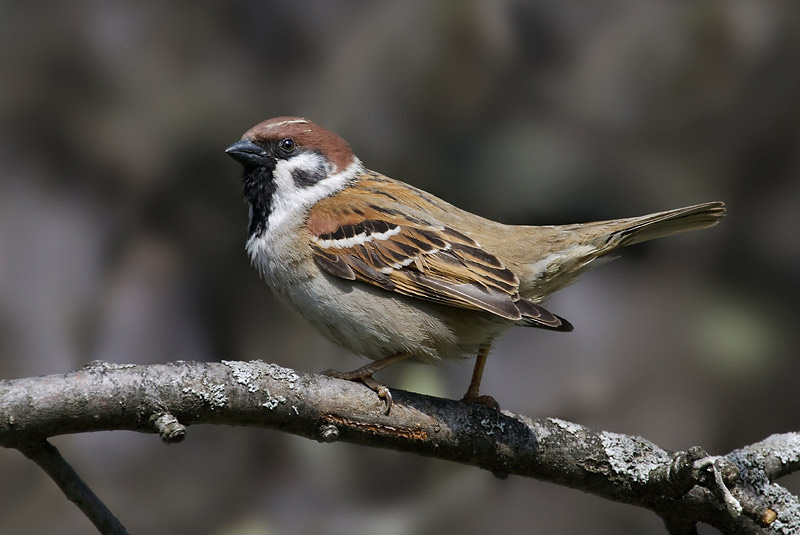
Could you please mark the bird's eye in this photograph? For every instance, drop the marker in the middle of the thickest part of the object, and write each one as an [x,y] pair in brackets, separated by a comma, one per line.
[287,145]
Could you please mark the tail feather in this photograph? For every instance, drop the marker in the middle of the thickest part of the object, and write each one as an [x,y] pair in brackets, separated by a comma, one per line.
[662,224]
[566,251]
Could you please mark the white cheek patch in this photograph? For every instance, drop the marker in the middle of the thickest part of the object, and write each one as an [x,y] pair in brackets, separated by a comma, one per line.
[290,199]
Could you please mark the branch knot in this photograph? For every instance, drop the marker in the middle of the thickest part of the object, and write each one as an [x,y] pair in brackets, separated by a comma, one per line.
[168,427]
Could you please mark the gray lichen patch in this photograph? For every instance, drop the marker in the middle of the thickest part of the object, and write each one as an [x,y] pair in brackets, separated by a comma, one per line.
[282,374]
[567,426]
[579,433]
[785,504]
[102,365]
[786,447]
[211,393]
[632,457]
[491,426]
[753,461]
[248,373]
[245,373]
[767,456]
[541,431]
[273,401]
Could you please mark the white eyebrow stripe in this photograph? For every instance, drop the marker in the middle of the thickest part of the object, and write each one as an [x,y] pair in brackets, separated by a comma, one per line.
[290,121]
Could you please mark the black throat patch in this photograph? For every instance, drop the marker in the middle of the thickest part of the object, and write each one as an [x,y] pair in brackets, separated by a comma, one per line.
[258,186]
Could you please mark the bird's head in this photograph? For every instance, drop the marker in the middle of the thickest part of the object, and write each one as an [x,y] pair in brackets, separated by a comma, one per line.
[290,164]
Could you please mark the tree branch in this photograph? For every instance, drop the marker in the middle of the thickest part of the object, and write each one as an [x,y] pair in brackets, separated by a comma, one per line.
[74,488]
[736,492]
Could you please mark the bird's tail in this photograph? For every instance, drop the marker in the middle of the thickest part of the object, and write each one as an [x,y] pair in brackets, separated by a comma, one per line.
[567,250]
[622,232]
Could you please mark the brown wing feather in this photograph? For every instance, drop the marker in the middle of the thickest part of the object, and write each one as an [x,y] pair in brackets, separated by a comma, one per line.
[398,247]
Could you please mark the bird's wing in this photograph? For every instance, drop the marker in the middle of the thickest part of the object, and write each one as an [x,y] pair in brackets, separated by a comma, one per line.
[378,232]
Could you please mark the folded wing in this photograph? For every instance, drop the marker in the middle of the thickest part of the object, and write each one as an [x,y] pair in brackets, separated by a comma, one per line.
[382,246]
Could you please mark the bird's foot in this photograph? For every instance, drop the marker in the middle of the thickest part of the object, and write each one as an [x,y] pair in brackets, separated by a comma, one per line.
[485,400]
[365,377]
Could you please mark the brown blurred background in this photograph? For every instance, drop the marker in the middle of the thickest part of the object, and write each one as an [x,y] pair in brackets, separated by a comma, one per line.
[122,233]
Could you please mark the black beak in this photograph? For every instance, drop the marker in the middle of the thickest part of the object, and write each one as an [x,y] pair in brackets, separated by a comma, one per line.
[248,153]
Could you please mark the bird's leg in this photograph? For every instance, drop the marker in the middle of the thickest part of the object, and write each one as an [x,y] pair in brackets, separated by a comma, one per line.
[473,392]
[364,375]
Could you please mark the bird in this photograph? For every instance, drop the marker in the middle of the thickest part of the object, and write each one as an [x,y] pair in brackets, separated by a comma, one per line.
[391,272]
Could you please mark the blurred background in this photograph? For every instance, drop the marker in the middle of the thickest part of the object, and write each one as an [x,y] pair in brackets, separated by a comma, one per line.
[122,233]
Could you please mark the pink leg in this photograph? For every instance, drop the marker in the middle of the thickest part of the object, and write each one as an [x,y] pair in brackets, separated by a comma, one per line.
[473,392]
[364,375]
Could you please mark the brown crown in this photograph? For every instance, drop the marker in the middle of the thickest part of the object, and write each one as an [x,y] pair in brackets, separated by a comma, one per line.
[307,135]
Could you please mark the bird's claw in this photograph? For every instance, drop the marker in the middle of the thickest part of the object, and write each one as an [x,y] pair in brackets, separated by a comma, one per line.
[484,399]
[367,380]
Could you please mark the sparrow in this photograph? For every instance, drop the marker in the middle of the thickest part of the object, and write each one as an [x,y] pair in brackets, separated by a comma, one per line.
[391,272]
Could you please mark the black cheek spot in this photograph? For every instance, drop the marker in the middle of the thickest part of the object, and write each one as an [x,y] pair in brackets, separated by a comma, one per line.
[304,178]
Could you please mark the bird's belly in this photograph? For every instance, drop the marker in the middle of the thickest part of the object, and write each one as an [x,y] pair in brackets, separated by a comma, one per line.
[367,320]
[377,323]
